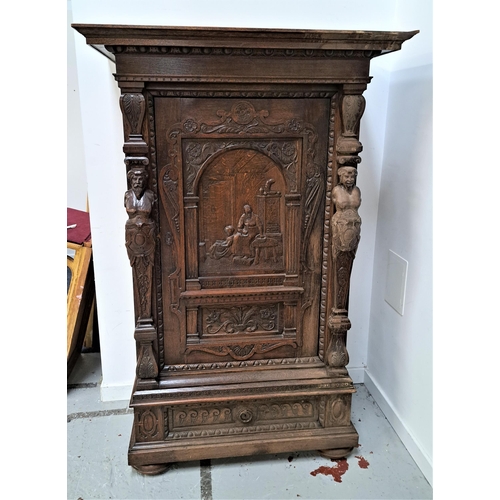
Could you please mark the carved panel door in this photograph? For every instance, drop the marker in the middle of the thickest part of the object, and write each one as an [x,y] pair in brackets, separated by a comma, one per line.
[241,184]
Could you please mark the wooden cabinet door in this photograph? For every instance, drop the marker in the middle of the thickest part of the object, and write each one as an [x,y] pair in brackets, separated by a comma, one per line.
[242,187]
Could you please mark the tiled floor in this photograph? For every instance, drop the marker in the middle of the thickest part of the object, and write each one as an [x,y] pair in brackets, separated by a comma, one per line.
[98,436]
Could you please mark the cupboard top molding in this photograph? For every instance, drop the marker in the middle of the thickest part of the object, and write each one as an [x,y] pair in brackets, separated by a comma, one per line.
[110,39]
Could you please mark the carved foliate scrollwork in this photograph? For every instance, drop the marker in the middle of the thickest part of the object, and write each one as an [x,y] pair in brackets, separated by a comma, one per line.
[315,188]
[133,107]
[198,153]
[242,352]
[348,145]
[336,354]
[242,319]
[147,366]
[242,119]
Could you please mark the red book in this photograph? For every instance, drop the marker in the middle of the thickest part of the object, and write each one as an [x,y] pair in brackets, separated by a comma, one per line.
[81,232]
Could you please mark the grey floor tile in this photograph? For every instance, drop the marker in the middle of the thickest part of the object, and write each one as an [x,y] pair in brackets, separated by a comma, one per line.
[97,465]
[87,370]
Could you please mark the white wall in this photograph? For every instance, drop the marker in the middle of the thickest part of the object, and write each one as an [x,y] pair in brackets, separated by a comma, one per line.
[101,125]
[399,367]
[76,175]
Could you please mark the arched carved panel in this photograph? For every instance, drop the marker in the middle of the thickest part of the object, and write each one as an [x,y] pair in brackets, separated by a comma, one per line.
[242,214]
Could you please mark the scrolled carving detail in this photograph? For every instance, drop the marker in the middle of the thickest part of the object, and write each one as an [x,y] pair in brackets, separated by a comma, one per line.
[242,352]
[348,144]
[353,107]
[245,415]
[147,367]
[133,108]
[242,319]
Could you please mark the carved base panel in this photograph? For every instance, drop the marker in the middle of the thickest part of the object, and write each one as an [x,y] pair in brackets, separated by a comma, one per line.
[242,445]
[268,413]
[336,453]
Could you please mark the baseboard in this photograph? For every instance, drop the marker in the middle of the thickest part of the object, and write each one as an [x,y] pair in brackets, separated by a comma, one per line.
[357,373]
[116,392]
[423,461]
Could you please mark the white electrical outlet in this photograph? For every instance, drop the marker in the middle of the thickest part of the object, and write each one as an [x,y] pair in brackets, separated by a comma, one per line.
[395,286]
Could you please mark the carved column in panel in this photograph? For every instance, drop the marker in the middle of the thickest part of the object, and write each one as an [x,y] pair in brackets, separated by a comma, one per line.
[140,229]
[345,222]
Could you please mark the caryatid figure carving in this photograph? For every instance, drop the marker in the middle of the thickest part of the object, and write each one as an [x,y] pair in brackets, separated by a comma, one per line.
[346,232]
[140,243]
[139,235]
[346,222]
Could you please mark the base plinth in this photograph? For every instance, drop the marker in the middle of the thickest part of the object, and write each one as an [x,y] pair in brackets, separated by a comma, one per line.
[151,470]
[336,453]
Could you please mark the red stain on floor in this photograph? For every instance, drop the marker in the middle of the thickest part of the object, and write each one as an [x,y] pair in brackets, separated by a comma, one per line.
[362,462]
[335,472]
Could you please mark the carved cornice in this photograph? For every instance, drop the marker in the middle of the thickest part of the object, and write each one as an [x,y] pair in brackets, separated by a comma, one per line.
[230,41]
[264,94]
[239,52]
[124,78]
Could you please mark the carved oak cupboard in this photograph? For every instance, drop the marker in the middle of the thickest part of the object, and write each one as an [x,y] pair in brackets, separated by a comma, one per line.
[241,149]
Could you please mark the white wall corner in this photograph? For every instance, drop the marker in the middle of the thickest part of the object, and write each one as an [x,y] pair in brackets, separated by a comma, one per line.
[357,373]
[419,455]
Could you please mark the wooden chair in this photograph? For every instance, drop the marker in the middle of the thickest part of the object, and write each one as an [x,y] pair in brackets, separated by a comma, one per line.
[81,286]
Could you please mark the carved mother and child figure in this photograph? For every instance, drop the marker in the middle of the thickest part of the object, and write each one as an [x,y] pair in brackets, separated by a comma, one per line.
[249,242]
[241,243]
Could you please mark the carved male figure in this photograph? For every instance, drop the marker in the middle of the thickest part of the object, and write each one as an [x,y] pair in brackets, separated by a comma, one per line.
[139,234]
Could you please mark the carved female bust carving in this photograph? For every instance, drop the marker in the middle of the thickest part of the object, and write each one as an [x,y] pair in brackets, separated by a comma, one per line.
[346,223]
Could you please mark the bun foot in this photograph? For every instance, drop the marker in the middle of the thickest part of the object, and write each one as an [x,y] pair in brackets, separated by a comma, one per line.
[336,453]
[151,470]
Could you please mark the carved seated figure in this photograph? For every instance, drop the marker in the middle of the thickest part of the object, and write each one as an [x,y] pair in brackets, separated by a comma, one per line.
[249,227]
[222,248]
